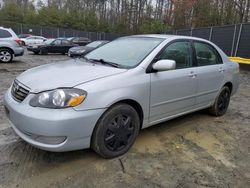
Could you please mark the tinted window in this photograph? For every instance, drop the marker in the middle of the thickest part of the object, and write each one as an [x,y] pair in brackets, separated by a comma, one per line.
[56,42]
[83,39]
[65,42]
[180,52]
[206,54]
[4,34]
[94,44]
[75,40]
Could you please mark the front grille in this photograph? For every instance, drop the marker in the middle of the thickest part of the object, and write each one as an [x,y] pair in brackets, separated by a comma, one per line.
[19,93]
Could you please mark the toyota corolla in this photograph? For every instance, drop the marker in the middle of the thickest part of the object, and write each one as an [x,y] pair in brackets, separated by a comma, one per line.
[103,100]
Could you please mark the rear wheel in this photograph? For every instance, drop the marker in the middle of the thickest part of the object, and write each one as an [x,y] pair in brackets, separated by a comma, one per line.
[116,131]
[221,103]
[6,55]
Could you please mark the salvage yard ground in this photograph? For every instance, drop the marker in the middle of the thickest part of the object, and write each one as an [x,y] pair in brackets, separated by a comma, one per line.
[196,150]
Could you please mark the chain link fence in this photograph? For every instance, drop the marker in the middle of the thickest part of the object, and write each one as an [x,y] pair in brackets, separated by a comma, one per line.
[234,40]
[52,32]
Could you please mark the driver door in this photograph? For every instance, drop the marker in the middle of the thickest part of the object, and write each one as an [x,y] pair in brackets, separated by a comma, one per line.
[173,92]
[55,47]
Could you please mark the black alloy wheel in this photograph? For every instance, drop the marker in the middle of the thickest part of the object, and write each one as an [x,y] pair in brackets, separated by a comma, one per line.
[119,133]
[116,131]
[221,103]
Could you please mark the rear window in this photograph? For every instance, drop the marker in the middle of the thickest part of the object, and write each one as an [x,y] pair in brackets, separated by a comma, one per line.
[4,34]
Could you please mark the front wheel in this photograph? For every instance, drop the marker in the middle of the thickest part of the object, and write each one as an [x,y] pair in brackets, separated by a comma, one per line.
[221,103]
[116,131]
[6,56]
[43,51]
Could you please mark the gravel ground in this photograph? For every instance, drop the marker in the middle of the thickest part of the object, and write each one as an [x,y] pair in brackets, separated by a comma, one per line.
[196,150]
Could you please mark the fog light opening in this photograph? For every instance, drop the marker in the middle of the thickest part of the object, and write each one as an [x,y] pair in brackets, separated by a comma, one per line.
[52,140]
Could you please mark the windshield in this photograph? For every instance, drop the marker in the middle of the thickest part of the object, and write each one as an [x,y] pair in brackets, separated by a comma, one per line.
[127,51]
[94,44]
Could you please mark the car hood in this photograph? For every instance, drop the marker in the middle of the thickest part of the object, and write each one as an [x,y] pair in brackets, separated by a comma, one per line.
[74,49]
[65,74]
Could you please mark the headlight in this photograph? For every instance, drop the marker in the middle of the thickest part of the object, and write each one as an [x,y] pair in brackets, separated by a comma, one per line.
[59,98]
[80,51]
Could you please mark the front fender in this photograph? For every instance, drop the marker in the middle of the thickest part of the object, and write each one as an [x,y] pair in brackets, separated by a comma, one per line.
[105,92]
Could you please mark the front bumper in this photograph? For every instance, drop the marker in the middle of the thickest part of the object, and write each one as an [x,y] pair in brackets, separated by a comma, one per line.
[74,54]
[31,49]
[29,122]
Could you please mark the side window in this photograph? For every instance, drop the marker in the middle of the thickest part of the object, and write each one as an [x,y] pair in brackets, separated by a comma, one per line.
[4,34]
[57,42]
[206,54]
[181,52]
[65,42]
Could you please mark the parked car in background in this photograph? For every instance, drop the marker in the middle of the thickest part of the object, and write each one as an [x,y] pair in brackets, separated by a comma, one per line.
[59,45]
[81,41]
[23,36]
[33,40]
[9,45]
[83,50]
[102,101]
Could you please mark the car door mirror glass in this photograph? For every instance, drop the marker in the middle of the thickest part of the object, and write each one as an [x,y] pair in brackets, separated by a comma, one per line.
[164,65]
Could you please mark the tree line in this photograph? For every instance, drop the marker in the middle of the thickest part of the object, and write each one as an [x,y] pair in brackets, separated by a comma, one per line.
[125,16]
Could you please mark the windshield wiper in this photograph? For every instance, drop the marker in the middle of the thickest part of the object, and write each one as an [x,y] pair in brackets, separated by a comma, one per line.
[102,61]
[88,60]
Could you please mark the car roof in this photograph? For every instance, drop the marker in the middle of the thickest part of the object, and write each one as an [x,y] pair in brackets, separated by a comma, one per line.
[165,36]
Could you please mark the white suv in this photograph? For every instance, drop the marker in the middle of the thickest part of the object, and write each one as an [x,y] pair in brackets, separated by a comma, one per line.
[10,45]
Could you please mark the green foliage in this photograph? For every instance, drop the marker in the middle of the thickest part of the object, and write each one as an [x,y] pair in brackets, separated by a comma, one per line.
[11,12]
[152,26]
[126,16]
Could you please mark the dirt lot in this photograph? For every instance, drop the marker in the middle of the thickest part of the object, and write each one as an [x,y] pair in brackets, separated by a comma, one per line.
[196,150]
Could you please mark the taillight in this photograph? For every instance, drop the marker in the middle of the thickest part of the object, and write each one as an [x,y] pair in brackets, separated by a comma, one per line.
[18,41]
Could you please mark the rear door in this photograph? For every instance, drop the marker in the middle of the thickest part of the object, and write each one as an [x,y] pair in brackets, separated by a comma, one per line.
[66,45]
[210,73]
[173,91]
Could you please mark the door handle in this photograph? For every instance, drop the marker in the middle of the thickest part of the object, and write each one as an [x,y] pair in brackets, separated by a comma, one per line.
[192,74]
[221,70]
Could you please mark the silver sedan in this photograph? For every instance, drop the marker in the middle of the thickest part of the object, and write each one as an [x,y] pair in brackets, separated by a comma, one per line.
[103,100]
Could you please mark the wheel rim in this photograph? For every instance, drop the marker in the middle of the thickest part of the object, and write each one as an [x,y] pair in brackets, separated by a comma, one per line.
[5,56]
[223,101]
[119,133]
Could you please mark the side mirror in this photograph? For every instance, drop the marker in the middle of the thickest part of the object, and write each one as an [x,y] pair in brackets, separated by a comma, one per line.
[164,65]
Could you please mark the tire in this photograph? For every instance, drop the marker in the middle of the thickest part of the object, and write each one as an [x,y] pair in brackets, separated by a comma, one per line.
[36,53]
[43,51]
[221,103]
[116,131]
[6,55]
